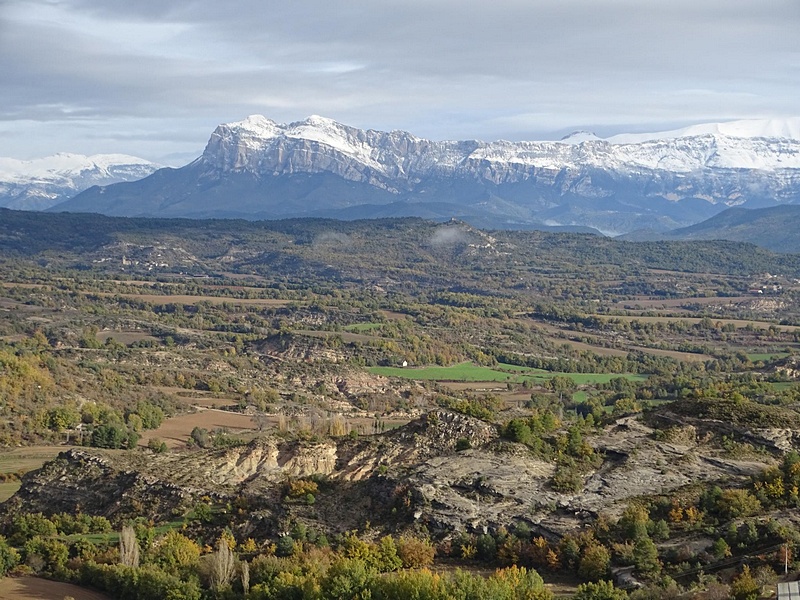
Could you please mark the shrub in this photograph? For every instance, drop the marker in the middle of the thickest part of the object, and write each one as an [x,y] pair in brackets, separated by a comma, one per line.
[463,443]
[176,554]
[144,583]
[346,579]
[27,525]
[737,503]
[415,552]
[745,587]
[421,584]
[9,557]
[486,547]
[517,582]
[567,477]
[301,488]
[594,562]
[518,430]
[602,590]
[157,445]
[285,546]
[201,437]
[45,554]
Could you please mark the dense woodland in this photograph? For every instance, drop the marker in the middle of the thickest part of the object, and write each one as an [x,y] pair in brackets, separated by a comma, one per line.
[112,328]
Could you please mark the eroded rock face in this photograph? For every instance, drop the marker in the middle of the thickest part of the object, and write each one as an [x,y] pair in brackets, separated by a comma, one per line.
[269,460]
[404,477]
[92,482]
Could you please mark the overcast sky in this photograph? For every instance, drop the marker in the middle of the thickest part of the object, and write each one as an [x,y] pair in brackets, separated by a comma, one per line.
[153,77]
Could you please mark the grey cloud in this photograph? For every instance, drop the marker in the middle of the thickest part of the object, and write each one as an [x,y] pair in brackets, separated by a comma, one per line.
[438,68]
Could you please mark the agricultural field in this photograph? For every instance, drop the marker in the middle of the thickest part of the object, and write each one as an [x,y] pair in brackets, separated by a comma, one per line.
[189,300]
[176,431]
[736,323]
[36,588]
[567,407]
[18,461]
[502,373]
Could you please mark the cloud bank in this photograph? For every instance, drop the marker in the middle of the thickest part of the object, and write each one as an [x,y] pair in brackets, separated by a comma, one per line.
[154,78]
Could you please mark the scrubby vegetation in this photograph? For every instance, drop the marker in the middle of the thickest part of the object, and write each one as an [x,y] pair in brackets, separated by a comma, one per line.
[160,339]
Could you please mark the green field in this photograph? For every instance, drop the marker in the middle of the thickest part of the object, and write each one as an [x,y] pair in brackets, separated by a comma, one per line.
[22,460]
[580,397]
[27,458]
[460,372]
[470,372]
[782,385]
[362,327]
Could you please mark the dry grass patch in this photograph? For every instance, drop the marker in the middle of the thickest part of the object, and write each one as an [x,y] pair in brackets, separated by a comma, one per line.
[8,489]
[124,337]
[175,431]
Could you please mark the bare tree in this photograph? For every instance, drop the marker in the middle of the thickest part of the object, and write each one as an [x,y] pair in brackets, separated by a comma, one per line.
[316,423]
[128,547]
[223,565]
[337,426]
[245,573]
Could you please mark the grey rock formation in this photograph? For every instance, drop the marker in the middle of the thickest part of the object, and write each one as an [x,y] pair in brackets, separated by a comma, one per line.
[408,476]
[257,168]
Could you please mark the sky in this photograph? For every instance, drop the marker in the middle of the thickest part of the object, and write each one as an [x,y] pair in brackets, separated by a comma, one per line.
[153,78]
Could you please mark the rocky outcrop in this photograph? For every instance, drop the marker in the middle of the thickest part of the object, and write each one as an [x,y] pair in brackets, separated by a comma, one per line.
[97,484]
[445,470]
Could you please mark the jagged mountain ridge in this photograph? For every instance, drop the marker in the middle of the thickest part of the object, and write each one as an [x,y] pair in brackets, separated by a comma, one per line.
[41,183]
[257,168]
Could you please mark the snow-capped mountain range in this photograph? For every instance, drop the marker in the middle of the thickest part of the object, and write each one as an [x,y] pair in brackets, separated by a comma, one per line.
[257,168]
[256,141]
[41,183]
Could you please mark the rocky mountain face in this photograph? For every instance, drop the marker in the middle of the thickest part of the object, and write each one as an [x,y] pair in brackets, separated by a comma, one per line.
[257,168]
[42,183]
[446,470]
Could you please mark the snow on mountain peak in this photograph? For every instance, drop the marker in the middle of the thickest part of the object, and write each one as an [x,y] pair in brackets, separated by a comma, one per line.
[579,136]
[255,126]
[43,182]
[316,144]
[255,164]
[65,164]
[749,128]
[319,121]
[231,143]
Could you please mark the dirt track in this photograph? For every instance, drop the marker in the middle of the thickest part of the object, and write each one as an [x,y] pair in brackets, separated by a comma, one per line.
[34,588]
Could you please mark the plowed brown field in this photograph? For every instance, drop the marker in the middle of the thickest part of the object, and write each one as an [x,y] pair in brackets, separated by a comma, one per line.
[33,588]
